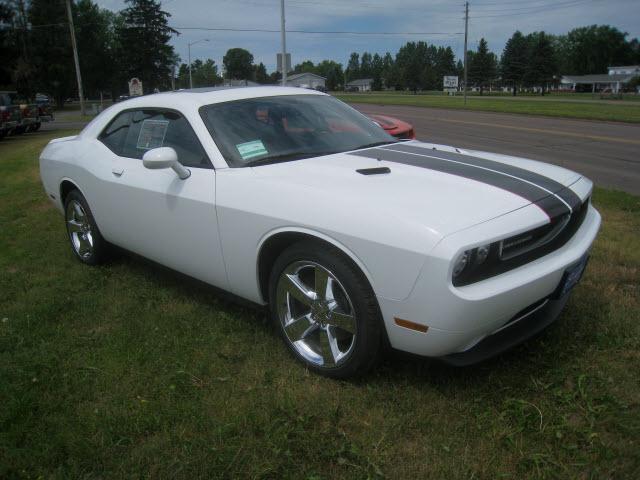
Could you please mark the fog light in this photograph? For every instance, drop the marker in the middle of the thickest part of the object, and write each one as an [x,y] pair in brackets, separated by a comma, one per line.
[461,263]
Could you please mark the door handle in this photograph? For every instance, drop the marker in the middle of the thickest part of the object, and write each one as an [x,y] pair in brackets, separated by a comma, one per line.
[117,171]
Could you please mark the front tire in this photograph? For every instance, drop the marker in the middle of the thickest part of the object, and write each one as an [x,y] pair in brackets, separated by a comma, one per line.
[325,310]
[86,241]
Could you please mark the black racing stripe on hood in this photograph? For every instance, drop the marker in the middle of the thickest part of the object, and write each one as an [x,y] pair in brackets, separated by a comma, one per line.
[551,205]
[547,183]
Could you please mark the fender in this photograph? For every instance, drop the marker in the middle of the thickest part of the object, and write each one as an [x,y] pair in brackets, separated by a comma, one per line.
[313,233]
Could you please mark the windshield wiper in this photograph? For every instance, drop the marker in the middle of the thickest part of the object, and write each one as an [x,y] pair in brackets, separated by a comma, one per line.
[285,157]
[376,144]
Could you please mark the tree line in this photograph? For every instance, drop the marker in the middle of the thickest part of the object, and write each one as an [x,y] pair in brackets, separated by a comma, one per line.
[36,55]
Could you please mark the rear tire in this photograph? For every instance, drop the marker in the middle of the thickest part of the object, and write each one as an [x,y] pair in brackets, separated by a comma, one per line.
[85,238]
[325,310]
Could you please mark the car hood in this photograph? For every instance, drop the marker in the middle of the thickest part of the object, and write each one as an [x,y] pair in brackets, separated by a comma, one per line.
[442,201]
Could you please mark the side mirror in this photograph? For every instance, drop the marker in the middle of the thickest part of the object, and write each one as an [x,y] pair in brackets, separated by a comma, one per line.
[165,157]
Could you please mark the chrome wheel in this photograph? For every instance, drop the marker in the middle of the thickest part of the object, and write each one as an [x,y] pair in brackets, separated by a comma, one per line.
[79,229]
[316,314]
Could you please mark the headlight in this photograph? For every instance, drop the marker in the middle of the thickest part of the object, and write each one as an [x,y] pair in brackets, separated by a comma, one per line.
[461,263]
[474,263]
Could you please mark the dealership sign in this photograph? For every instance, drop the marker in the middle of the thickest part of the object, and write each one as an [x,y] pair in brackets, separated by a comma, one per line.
[450,82]
[135,87]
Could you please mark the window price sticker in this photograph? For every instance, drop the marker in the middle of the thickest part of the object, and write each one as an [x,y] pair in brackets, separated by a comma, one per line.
[152,134]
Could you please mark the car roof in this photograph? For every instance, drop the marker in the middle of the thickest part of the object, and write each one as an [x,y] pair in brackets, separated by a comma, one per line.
[198,97]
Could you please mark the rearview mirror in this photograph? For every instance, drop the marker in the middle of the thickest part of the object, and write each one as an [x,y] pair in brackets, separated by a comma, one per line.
[165,157]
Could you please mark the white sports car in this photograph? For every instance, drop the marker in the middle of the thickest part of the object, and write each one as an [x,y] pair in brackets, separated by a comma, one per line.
[356,240]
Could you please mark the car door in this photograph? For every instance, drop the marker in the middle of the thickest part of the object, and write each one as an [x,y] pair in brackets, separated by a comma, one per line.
[153,212]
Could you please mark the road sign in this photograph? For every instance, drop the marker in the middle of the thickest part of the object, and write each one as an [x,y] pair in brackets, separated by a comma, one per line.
[450,82]
[135,87]
[288,62]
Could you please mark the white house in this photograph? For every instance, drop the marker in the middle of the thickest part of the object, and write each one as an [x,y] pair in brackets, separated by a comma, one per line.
[306,80]
[361,85]
[629,70]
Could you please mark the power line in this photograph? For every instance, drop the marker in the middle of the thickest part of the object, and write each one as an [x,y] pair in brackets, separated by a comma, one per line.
[314,32]
[539,9]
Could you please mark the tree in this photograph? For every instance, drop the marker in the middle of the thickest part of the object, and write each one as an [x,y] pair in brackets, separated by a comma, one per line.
[445,64]
[592,49]
[388,68]
[514,60]
[96,46]
[143,44]
[353,67]
[482,65]
[366,67]
[542,61]
[332,72]
[46,61]
[8,47]
[305,67]
[411,63]
[377,67]
[261,74]
[238,64]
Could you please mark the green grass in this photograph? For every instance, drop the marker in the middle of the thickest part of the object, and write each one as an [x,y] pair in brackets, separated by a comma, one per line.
[582,96]
[128,370]
[558,108]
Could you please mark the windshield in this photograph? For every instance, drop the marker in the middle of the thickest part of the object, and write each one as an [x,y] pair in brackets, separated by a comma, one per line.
[275,129]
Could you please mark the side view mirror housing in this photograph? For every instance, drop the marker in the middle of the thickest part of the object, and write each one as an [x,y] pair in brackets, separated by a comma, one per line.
[165,157]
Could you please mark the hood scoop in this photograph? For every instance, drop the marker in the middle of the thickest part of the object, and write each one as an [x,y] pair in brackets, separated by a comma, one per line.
[374,171]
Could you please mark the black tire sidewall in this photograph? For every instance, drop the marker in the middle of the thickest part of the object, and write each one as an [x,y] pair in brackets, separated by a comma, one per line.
[369,324]
[99,245]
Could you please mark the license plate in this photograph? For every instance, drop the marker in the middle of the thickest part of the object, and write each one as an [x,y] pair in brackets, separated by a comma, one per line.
[571,277]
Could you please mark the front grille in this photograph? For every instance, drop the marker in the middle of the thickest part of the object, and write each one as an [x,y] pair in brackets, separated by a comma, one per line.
[545,239]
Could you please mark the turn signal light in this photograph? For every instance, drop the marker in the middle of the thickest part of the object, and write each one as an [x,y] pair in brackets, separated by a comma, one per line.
[411,325]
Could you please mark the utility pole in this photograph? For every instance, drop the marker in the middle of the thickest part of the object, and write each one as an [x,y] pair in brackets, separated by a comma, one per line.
[75,57]
[466,35]
[283,37]
[189,49]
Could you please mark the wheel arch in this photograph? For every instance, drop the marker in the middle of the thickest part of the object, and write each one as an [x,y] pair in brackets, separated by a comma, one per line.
[66,186]
[275,242]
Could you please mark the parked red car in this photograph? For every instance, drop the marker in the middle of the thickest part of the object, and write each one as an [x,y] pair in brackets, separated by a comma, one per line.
[395,127]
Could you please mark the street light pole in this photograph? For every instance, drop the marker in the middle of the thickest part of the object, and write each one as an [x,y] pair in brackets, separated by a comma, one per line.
[189,49]
[283,37]
[75,57]
[466,34]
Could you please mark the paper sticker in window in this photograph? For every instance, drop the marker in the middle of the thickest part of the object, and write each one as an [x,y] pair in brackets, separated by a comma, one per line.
[251,149]
[152,134]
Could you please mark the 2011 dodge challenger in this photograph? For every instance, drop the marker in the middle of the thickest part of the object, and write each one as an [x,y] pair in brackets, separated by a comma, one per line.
[355,240]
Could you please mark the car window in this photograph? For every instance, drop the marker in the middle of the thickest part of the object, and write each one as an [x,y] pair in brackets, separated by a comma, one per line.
[284,128]
[114,135]
[142,130]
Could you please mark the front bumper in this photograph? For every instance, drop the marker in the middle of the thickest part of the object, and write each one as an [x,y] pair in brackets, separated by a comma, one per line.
[522,327]
[460,318]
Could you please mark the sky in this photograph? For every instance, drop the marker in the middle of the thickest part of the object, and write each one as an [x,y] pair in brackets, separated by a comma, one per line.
[437,22]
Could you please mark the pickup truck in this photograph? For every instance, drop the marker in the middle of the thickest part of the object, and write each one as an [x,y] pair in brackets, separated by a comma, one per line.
[10,114]
[29,113]
[45,109]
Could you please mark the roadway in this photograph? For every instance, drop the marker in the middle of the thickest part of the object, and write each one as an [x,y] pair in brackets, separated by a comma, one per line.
[606,152]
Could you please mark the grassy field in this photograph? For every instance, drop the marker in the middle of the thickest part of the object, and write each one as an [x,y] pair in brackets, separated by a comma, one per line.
[580,96]
[129,371]
[558,108]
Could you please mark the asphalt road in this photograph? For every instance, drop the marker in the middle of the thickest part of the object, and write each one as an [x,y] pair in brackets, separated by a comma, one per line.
[606,152]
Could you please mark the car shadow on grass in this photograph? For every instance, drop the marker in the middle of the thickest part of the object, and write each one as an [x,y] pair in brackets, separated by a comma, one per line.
[558,348]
